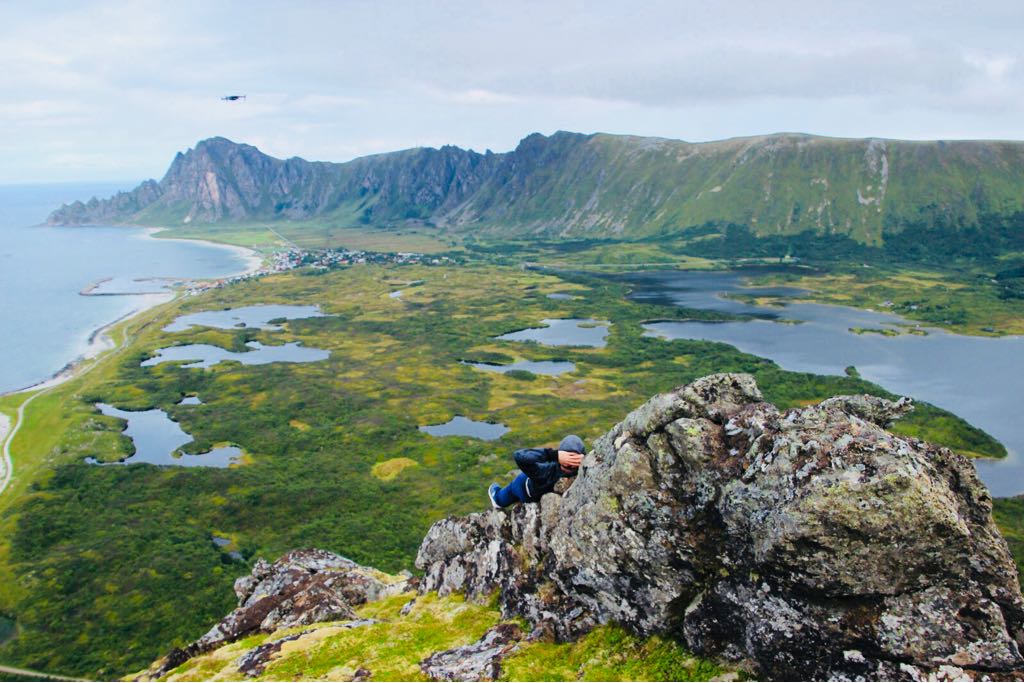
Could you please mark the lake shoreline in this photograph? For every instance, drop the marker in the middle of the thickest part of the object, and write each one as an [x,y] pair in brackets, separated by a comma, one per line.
[955,372]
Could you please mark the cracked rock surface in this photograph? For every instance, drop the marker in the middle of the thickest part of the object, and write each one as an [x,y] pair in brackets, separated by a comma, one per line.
[302,587]
[479,661]
[804,544]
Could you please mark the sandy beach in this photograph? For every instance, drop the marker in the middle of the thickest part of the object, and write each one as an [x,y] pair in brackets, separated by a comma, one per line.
[252,257]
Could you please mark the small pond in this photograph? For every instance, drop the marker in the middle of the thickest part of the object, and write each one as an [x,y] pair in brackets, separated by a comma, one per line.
[158,439]
[396,294]
[247,316]
[551,368]
[207,355]
[190,401]
[563,332]
[222,543]
[561,296]
[462,426]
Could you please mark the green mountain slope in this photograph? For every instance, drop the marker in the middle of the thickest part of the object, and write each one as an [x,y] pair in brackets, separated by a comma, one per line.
[574,185]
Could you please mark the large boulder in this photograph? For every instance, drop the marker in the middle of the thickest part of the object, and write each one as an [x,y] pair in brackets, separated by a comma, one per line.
[806,544]
[302,587]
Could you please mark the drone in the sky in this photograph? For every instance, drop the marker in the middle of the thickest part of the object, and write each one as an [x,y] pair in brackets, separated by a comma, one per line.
[233,98]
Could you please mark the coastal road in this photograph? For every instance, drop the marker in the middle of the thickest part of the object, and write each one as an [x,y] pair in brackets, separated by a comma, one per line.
[5,459]
[284,239]
[6,467]
[7,435]
[38,675]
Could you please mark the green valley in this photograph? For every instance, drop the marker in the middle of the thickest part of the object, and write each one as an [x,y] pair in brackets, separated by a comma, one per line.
[106,568]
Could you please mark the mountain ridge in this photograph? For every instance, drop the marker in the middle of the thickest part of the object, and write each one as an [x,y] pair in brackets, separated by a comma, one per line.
[592,185]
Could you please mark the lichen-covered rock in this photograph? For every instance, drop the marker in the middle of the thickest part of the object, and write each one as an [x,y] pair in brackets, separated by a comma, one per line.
[302,587]
[807,544]
[253,662]
[479,661]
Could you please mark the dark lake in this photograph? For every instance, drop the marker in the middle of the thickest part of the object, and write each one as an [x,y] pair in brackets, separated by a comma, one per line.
[246,316]
[158,440]
[463,426]
[976,378]
[563,332]
[551,368]
[207,355]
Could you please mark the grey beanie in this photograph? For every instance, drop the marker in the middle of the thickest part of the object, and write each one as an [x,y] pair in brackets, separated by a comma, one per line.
[572,443]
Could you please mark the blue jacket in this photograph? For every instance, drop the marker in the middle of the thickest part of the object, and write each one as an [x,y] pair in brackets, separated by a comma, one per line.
[542,468]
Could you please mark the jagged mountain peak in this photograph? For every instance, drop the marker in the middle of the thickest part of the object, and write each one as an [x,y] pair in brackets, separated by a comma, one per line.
[595,185]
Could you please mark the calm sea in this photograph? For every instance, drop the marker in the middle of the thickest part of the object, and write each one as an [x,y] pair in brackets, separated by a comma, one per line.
[44,321]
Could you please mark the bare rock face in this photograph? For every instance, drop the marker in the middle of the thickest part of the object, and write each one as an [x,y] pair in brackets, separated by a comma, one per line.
[479,661]
[303,587]
[805,544]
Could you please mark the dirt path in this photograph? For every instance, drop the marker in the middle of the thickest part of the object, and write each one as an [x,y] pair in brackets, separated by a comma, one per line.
[28,673]
[6,467]
[5,460]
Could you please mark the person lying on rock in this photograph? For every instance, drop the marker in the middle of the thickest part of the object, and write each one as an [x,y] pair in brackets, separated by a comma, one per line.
[541,470]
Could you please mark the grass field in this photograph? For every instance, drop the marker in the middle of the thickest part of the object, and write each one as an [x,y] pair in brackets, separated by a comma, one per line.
[317,236]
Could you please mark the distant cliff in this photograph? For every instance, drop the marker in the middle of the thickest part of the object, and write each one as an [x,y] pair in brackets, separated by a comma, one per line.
[806,545]
[598,185]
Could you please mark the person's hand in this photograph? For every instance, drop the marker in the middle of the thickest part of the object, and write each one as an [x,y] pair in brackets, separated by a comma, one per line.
[569,460]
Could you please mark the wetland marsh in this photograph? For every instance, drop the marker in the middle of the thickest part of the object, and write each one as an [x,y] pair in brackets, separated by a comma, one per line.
[322,440]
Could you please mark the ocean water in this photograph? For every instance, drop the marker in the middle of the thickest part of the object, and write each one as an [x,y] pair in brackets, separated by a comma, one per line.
[44,321]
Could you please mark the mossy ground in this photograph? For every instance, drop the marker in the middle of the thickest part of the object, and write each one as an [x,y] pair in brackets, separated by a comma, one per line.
[1009,516]
[392,649]
[389,469]
[126,553]
[965,302]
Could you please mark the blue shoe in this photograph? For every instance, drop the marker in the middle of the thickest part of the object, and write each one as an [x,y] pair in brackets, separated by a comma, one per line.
[492,491]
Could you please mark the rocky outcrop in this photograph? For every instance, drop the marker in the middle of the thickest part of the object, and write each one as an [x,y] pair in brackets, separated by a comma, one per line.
[804,544]
[303,587]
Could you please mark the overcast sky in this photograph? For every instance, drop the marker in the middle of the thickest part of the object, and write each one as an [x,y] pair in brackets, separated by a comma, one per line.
[111,90]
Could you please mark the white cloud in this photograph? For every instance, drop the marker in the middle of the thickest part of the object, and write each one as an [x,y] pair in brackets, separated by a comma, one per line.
[125,84]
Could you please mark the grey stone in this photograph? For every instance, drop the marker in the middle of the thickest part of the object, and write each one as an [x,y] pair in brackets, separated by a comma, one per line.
[302,587]
[806,544]
[479,661]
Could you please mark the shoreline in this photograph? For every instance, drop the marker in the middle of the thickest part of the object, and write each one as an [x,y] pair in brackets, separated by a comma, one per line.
[97,343]
[253,259]
[99,339]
